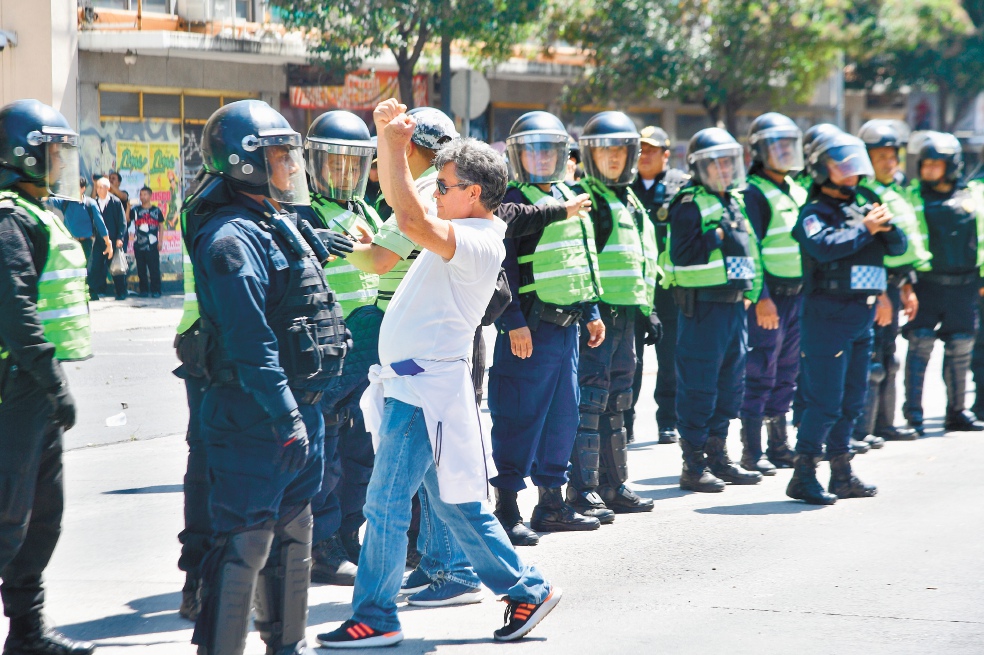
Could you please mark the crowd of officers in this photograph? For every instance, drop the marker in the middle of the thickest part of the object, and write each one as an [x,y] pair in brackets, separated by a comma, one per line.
[776,291]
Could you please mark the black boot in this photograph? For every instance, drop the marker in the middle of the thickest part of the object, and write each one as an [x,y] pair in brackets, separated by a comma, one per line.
[552,514]
[752,457]
[695,475]
[350,542]
[191,598]
[507,511]
[843,482]
[956,365]
[330,563]
[894,433]
[722,466]
[804,484]
[614,469]
[778,450]
[668,435]
[29,636]
[582,492]
[916,361]
[859,447]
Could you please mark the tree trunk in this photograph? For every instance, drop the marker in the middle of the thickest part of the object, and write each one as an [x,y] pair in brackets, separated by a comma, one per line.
[405,80]
[446,74]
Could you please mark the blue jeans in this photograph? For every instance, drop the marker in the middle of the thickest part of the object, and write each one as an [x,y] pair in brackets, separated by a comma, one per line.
[404,460]
[441,556]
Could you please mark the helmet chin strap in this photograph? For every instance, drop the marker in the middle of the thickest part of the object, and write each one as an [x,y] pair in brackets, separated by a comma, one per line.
[848,190]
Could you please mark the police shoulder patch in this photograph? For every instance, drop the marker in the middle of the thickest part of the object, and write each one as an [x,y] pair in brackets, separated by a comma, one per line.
[227,255]
[812,225]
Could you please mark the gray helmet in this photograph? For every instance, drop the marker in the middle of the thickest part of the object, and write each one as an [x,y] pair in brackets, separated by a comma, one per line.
[880,133]
[37,145]
[250,145]
[340,153]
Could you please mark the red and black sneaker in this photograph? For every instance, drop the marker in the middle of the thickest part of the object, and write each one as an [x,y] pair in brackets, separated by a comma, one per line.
[353,634]
[522,617]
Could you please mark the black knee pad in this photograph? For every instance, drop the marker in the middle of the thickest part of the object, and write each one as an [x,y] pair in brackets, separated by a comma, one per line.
[876,373]
[612,422]
[589,422]
[593,399]
[585,460]
[620,401]
[959,345]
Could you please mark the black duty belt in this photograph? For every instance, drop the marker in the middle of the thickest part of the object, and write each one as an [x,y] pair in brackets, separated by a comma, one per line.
[950,280]
[308,397]
[865,298]
[721,295]
[785,289]
[558,315]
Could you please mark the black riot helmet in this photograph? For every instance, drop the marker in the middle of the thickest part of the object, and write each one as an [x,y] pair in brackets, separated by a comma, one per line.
[37,145]
[839,153]
[716,160]
[811,135]
[340,153]
[610,146]
[538,148]
[776,143]
[879,133]
[251,146]
[942,146]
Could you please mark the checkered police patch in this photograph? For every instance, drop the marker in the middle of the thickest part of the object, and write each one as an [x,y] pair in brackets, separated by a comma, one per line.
[740,268]
[869,278]
[812,225]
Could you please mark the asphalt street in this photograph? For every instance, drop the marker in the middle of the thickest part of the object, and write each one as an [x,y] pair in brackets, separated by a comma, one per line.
[743,571]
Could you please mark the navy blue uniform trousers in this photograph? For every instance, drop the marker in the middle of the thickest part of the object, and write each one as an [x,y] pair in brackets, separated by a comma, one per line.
[710,367]
[534,407]
[349,455]
[195,537]
[773,361]
[837,340]
[611,365]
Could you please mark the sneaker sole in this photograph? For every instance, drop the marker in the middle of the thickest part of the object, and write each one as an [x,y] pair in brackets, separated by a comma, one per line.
[469,598]
[551,602]
[388,639]
[413,590]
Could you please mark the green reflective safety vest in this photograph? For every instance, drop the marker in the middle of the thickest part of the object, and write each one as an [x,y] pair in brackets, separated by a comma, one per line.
[189,314]
[977,193]
[906,218]
[780,252]
[352,287]
[715,272]
[565,261]
[63,305]
[628,268]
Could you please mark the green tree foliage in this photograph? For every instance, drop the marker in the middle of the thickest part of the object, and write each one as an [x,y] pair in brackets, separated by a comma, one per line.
[723,54]
[350,31]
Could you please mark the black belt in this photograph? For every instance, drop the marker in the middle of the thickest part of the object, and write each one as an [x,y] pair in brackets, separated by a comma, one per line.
[721,295]
[308,397]
[785,289]
[950,280]
[562,316]
[868,298]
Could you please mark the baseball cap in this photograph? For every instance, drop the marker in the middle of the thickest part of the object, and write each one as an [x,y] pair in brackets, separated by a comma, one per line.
[434,128]
[655,136]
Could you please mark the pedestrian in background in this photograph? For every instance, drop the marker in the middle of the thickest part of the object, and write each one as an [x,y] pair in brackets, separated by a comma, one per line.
[115,219]
[147,220]
[84,220]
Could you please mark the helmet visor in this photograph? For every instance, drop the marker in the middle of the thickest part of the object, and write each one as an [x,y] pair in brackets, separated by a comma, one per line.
[538,158]
[285,174]
[782,152]
[720,169]
[63,170]
[337,171]
[613,160]
[847,161]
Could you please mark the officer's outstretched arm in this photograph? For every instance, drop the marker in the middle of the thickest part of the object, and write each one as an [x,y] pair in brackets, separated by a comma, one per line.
[373,258]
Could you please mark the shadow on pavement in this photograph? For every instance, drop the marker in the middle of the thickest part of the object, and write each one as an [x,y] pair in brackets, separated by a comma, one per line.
[422,646]
[662,494]
[761,509]
[655,482]
[155,489]
[151,615]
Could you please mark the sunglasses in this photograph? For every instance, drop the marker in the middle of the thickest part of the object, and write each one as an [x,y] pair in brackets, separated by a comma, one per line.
[443,188]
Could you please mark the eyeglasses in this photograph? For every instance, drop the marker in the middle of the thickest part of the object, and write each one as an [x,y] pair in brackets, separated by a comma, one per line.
[443,188]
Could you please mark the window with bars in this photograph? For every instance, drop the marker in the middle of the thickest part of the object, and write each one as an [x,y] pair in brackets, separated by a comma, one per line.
[172,106]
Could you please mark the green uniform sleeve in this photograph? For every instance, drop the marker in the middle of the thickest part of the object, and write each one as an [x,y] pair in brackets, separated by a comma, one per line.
[391,238]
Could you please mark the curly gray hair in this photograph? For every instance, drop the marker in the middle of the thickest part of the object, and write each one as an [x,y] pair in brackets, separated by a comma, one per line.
[476,163]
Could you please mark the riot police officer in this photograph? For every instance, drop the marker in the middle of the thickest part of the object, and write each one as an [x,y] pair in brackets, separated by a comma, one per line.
[276,339]
[953,216]
[533,392]
[44,320]
[626,244]
[883,141]
[713,261]
[655,186]
[772,204]
[843,247]
[340,154]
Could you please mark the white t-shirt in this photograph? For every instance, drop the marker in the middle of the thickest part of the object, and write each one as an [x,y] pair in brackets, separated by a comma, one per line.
[440,303]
